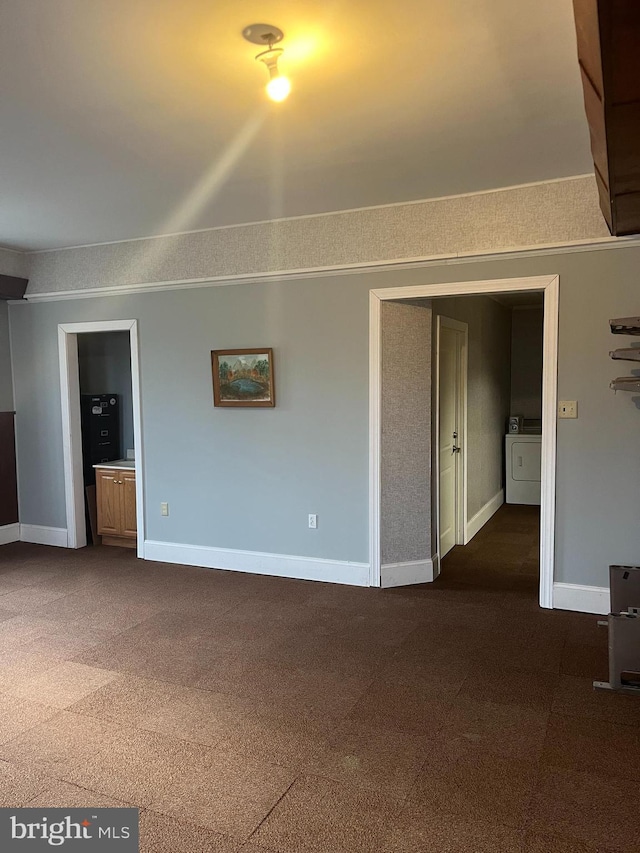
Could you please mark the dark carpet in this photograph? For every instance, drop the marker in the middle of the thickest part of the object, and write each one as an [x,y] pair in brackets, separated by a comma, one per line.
[248,713]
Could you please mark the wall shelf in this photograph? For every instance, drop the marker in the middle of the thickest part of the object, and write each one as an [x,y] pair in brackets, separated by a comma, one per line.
[626,354]
[626,383]
[625,326]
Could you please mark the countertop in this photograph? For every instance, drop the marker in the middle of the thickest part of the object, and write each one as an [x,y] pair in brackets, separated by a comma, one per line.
[129,464]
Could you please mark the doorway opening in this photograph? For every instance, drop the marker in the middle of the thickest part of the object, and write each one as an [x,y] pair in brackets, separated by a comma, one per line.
[84,361]
[106,411]
[498,442]
[462,528]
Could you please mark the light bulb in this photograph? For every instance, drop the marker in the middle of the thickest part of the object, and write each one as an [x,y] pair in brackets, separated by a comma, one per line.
[278,88]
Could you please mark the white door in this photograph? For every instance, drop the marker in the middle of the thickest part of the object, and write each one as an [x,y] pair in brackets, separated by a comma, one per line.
[451,348]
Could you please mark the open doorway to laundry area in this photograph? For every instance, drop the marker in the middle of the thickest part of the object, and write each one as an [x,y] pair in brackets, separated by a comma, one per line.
[405,430]
[487,381]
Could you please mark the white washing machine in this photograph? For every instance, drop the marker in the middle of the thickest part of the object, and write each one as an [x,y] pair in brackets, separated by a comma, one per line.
[523,458]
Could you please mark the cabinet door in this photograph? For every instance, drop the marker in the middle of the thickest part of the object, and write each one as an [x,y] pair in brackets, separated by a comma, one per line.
[128,498]
[108,500]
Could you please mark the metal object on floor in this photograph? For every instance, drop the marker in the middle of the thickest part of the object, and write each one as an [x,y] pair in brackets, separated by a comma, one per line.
[624,584]
[624,631]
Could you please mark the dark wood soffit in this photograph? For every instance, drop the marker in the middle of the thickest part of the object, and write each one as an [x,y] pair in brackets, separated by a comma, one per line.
[608,33]
[12,287]
[8,482]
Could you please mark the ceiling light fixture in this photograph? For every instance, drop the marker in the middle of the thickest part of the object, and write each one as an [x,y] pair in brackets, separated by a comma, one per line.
[278,86]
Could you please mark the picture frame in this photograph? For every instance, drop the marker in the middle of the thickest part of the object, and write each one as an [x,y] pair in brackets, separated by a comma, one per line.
[243,378]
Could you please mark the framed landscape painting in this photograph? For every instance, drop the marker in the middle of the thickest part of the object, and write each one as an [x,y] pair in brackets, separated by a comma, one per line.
[243,377]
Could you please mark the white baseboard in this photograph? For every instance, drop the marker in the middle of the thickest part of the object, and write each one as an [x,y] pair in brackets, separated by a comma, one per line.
[9,533]
[482,516]
[583,599]
[435,559]
[255,562]
[405,574]
[40,535]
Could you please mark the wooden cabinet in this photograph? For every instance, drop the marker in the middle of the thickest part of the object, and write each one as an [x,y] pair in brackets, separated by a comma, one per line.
[116,500]
[608,37]
[8,481]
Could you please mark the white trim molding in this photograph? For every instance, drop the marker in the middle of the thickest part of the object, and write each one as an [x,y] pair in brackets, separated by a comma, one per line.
[549,442]
[549,285]
[406,574]
[259,563]
[37,534]
[375,437]
[71,436]
[483,515]
[583,599]
[71,428]
[435,560]
[9,533]
[467,288]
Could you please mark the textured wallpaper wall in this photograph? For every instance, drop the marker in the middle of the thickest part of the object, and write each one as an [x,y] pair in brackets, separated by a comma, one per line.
[405,470]
[14,263]
[554,212]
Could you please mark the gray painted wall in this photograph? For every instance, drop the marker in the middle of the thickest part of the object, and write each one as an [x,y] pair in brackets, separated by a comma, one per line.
[105,368]
[234,478]
[247,478]
[6,386]
[405,533]
[526,361]
[488,391]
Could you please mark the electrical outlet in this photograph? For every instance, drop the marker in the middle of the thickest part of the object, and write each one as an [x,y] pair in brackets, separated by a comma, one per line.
[568,409]
[164,508]
[313,521]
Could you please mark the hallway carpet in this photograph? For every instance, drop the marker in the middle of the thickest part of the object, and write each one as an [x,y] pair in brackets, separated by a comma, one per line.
[257,714]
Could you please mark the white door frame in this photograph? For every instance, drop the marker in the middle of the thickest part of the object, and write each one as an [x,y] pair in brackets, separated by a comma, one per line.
[461,468]
[71,428]
[549,284]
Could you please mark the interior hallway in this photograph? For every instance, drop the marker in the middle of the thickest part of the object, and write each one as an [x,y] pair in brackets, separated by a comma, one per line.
[502,556]
[260,714]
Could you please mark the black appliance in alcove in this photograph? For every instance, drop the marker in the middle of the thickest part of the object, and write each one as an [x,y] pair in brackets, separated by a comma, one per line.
[100,415]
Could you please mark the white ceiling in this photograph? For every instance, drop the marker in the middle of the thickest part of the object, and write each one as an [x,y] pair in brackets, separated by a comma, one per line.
[127,118]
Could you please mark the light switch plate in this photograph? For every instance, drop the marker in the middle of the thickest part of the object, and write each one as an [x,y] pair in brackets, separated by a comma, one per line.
[568,409]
